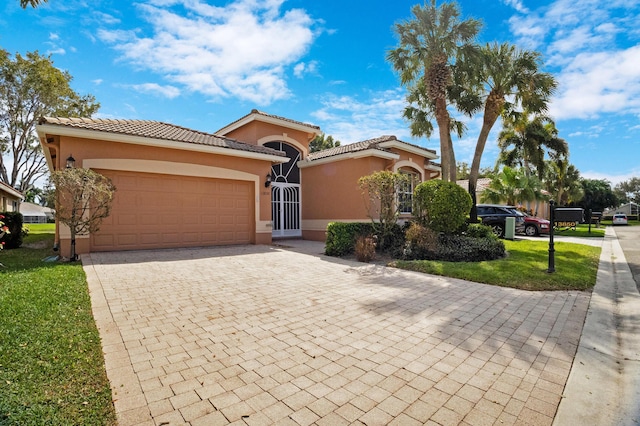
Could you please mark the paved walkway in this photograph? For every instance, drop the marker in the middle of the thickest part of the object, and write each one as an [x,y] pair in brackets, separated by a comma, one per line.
[262,335]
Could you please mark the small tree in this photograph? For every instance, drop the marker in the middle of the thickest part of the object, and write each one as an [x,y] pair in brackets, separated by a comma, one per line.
[322,142]
[83,199]
[441,206]
[380,191]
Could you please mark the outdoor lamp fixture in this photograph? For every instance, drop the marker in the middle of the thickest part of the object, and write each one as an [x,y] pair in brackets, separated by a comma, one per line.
[71,162]
[267,182]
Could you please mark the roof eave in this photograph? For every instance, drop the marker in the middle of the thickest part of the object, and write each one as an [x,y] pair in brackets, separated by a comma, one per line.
[50,129]
[348,156]
[12,191]
[409,148]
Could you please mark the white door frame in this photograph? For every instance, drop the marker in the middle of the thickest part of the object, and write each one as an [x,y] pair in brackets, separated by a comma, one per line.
[286,210]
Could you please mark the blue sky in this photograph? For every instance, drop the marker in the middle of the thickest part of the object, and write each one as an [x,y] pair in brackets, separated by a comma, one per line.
[203,64]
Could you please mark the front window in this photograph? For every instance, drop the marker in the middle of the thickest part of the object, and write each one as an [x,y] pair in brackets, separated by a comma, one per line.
[405,193]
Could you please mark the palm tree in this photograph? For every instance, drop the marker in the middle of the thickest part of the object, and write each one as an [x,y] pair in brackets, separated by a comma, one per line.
[32,3]
[562,180]
[506,78]
[429,45]
[512,186]
[525,142]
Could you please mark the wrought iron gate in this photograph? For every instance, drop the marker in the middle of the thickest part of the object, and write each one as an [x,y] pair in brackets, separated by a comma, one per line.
[285,209]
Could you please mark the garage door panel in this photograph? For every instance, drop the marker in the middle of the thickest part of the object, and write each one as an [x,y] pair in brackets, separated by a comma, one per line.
[164,211]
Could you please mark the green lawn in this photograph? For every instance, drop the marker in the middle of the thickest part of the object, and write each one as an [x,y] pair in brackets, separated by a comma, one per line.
[40,228]
[51,363]
[525,267]
[582,230]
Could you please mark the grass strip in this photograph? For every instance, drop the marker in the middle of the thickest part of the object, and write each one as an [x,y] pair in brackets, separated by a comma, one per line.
[51,364]
[525,267]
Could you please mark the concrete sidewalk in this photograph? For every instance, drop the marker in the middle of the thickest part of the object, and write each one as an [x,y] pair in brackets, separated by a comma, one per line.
[604,383]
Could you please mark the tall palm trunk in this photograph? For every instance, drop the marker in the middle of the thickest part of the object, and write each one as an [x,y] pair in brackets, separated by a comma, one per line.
[442,117]
[491,114]
[453,172]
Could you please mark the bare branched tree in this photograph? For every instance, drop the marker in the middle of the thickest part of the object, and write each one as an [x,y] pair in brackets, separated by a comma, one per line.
[83,199]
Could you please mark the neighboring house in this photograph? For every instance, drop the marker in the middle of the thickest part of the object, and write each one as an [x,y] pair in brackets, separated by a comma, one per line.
[630,209]
[539,208]
[10,198]
[252,181]
[34,213]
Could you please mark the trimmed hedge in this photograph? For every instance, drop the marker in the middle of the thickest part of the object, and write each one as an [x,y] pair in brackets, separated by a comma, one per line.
[14,221]
[341,237]
[477,245]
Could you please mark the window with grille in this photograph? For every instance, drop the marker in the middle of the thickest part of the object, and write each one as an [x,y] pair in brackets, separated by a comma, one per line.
[405,193]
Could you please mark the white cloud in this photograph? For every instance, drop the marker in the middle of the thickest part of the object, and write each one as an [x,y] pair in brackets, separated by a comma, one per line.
[599,82]
[302,68]
[350,120]
[242,50]
[97,81]
[614,179]
[596,73]
[156,89]
[517,5]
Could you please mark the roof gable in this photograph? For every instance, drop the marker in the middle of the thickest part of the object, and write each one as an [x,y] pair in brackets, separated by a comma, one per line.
[256,115]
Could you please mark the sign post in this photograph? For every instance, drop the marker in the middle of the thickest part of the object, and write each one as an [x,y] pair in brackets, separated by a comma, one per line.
[552,251]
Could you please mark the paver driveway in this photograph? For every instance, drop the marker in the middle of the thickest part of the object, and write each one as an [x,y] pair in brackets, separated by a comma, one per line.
[262,335]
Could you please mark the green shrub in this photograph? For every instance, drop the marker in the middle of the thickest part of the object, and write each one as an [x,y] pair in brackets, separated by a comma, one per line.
[365,248]
[441,206]
[13,220]
[425,244]
[478,230]
[341,237]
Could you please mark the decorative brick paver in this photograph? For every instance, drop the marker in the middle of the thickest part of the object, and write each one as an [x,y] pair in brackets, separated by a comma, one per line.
[261,335]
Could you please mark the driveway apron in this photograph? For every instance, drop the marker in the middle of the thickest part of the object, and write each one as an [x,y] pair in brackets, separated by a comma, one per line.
[262,335]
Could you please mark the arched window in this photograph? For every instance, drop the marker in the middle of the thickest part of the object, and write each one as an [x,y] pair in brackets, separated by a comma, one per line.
[285,172]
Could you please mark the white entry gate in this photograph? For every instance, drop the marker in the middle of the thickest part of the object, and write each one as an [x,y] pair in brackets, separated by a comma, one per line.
[285,210]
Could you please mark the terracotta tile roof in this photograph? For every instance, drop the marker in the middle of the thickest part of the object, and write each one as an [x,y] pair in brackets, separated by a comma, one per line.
[155,130]
[361,146]
[277,117]
[481,184]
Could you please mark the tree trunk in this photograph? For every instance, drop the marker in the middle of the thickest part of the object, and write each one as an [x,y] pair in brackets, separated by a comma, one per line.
[453,172]
[491,113]
[442,117]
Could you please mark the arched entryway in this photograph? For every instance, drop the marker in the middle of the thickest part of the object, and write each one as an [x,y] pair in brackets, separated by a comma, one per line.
[285,193]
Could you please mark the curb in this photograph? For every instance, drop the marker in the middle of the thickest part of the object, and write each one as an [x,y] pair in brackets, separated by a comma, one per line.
[604,383]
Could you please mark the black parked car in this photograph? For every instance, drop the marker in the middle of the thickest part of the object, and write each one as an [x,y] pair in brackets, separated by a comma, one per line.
[495,216]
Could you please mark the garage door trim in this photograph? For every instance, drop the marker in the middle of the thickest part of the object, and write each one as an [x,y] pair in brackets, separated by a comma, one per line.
[184,169]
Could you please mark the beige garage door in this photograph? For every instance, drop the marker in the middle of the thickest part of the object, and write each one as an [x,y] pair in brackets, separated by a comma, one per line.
[164,211]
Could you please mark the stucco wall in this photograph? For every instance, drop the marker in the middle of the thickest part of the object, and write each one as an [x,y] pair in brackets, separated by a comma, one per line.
[123,156]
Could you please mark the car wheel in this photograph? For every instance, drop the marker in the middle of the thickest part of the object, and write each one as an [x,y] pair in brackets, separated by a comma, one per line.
[498,230]
[531,231]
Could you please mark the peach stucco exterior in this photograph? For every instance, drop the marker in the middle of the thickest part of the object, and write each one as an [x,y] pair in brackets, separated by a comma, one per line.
[155,164]
[331,192]
[10,198]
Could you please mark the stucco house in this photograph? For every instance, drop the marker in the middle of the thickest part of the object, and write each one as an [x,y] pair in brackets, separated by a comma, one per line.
[35,213]
[252,181]
[630,209]
[10,198]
